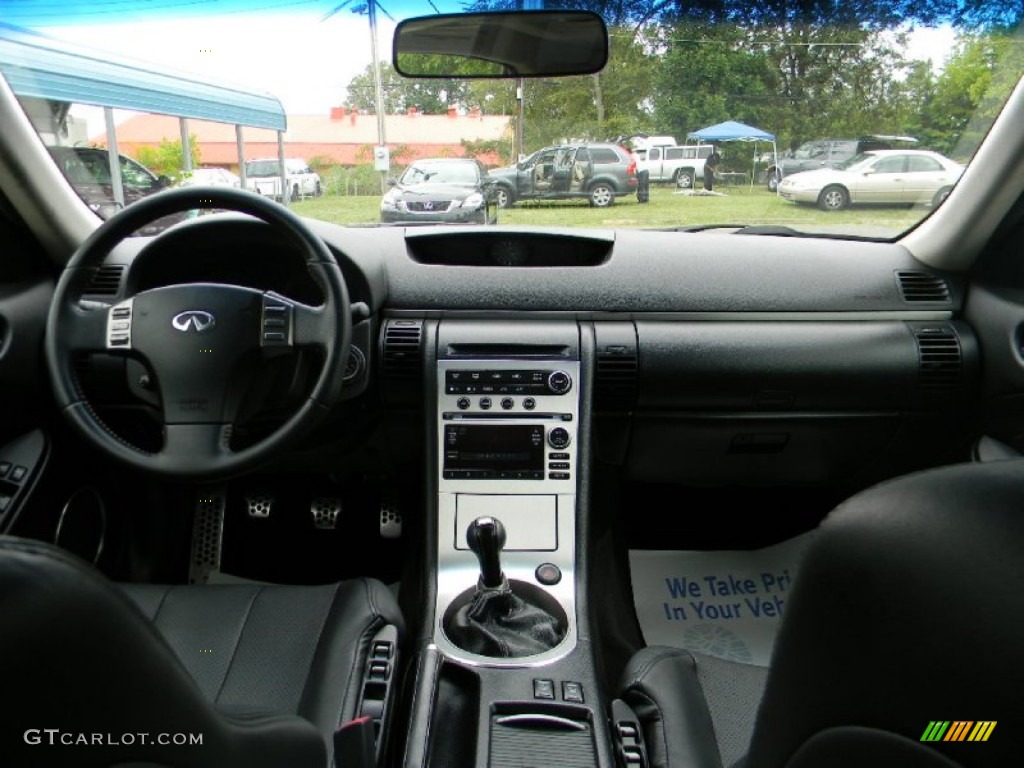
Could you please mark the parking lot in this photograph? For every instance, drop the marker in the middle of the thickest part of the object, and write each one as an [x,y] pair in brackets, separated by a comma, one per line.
[665,209]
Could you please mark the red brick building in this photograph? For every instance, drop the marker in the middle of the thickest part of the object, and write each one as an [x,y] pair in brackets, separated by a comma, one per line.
[342,137]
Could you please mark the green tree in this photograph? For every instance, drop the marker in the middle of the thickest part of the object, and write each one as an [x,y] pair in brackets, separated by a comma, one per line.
[429,96]
[795,80]
[610,103]
[168,159]
[975,82]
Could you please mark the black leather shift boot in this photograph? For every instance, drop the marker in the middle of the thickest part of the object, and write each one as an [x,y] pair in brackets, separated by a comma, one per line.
[497,622]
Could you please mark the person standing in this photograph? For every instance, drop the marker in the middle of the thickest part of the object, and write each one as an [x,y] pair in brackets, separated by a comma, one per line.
[710,166]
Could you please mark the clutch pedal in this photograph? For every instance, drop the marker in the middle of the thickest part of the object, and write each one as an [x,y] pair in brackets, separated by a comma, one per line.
[325,510]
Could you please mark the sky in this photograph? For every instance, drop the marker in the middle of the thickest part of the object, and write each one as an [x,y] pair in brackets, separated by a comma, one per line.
[289,49]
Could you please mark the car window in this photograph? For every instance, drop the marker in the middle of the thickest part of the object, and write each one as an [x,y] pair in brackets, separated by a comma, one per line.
[922,163]
[262,169]
[603,155]
[890,164]
[938,73]
[136,176]
[441,173]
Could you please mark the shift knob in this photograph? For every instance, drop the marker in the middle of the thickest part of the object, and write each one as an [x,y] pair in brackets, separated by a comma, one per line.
[486,536]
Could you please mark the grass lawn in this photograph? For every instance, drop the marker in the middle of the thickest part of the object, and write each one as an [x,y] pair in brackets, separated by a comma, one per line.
[739,205]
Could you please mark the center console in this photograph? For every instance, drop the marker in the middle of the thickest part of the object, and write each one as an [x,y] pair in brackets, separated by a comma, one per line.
[507,668]
[507,447]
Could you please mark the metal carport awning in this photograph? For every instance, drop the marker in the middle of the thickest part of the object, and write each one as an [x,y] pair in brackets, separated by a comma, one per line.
[39,66]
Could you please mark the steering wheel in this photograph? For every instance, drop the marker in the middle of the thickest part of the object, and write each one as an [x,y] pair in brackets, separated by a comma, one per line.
[193,337]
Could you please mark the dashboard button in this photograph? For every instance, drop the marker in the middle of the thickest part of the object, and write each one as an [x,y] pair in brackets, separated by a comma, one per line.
[529,403]
[507,403]
[485,403]
[548,574]
[462,403]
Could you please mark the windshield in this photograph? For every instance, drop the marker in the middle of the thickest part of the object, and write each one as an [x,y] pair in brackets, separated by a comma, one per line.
[440,173]
[767,91]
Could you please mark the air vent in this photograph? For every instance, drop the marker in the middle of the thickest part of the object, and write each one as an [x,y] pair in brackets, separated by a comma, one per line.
[615,388]
[917,286]
[106,281]
[939,358]
[617,366]
[401,354]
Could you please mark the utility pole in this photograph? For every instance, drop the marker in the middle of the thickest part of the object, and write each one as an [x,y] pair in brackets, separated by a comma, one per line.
[377,84]
[524,5]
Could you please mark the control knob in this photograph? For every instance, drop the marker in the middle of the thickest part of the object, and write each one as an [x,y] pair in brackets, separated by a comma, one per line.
[558,438]
[559,382]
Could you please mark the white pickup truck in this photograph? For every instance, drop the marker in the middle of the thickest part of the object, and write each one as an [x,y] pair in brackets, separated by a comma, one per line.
[682,165]
[263,176]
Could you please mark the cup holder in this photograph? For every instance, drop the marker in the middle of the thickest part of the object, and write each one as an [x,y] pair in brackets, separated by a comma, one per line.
[527,592]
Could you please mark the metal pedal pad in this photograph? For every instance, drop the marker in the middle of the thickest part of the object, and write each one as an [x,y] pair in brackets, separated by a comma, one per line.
[325,511]
[390,521]
[207,534]
[259,505]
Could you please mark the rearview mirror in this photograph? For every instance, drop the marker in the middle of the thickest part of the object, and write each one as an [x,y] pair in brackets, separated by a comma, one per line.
[504,44]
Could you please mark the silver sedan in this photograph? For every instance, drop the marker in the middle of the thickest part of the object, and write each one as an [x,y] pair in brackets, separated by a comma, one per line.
[906,177]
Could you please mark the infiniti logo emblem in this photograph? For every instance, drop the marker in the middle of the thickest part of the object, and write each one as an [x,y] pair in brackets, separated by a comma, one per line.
[193,320]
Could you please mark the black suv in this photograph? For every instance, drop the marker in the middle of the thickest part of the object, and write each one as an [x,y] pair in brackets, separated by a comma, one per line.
[598,172]
[827,153]
[88,170]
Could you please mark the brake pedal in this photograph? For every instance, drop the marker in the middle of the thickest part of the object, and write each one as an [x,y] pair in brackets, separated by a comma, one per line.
[325,510]
[259,505]
[390,521]
[207,534]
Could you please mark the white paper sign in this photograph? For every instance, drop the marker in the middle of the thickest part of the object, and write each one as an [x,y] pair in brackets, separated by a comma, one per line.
[725,604]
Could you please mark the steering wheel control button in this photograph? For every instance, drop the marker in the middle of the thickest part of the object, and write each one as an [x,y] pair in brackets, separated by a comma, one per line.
[462,403]
[559,438]
[485,403]
[119,326]
[559,382]
[548,574]
[544,689]
[572,692]
[276,327]
[529,403]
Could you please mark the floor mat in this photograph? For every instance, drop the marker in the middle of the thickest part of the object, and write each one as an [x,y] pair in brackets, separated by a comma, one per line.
[726,603]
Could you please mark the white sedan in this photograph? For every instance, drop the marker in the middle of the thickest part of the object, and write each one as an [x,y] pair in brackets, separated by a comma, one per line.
[880,176]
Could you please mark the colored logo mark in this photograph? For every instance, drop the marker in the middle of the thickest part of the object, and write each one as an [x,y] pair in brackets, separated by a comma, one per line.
[958,730]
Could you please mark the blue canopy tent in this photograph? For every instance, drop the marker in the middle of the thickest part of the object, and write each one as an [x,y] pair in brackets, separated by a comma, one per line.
[57,73]
[730,130]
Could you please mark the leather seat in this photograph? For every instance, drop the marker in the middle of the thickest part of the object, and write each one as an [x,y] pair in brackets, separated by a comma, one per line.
[263,674]
[908,608]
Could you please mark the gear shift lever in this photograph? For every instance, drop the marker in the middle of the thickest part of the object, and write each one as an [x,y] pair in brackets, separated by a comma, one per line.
[486,537]
[496,621]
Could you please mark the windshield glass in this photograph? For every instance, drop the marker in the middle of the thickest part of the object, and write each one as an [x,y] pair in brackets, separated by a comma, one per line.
[440,173]
[766,92]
